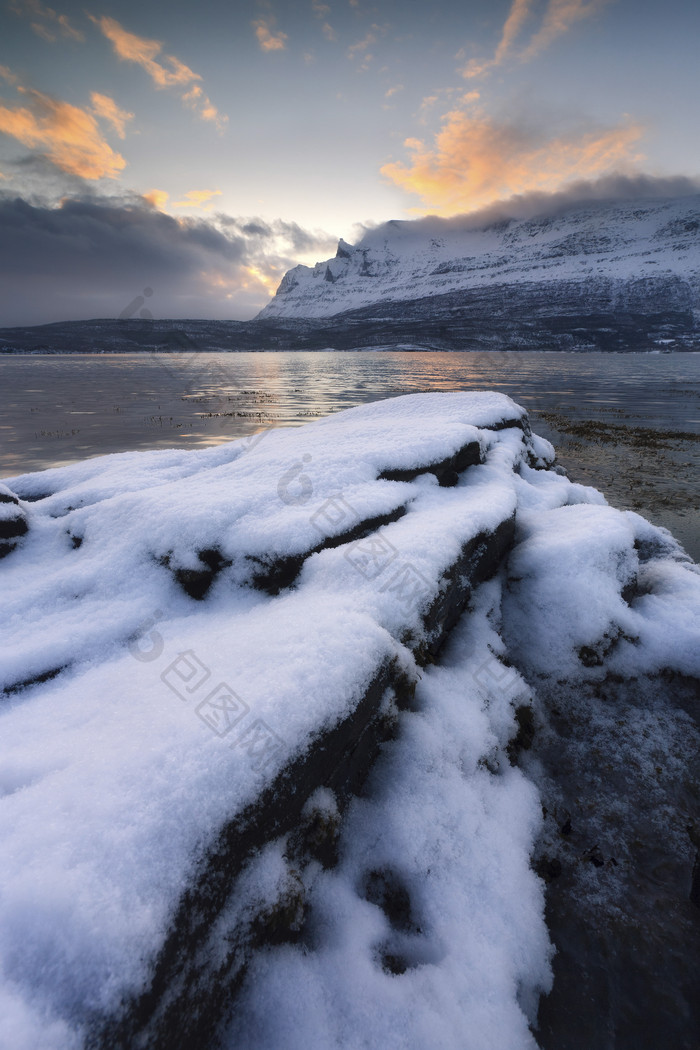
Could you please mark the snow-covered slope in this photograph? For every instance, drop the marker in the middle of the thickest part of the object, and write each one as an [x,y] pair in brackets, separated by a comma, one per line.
[624,243]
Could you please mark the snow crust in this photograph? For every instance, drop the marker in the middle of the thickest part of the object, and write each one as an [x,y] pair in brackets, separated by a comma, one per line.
[167,715]
[402,260]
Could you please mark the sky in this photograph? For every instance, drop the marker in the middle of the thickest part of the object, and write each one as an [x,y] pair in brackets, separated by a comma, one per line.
[200,150]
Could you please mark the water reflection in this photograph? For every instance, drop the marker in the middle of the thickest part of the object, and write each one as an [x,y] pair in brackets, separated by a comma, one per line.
[61,408]
[58,409]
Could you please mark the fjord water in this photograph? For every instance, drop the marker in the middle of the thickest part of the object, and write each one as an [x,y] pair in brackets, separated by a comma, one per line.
[627,423]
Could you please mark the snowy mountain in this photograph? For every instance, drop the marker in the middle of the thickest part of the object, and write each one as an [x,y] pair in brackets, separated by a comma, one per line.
[603,275]
[640,258]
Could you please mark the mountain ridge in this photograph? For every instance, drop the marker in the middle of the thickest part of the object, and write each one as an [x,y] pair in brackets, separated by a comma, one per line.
[623,242]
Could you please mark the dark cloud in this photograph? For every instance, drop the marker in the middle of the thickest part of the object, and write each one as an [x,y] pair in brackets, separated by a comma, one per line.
[33,176]
[251,229]
[90,255]
[606,188]
[544,205]
[297,238]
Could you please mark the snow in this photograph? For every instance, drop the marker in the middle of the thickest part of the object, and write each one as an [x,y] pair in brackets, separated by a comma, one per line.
[458,838]
[406,260]
[598,552]
[168,715]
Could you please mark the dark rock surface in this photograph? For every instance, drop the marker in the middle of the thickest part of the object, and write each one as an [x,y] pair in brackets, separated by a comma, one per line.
[13,521]
[618,766]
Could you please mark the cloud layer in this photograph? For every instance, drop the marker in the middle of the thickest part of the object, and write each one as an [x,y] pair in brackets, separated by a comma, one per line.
[476,160]
[541,205]
[90,256]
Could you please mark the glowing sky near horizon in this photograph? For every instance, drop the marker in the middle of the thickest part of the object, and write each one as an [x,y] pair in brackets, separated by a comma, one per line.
[313,117]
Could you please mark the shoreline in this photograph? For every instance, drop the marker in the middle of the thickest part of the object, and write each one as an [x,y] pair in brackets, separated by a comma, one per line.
[651,471]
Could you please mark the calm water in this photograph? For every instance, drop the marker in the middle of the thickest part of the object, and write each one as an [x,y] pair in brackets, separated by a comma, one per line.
[58,409]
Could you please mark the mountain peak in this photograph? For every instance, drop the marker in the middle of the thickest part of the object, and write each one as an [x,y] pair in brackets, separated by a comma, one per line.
[585,241]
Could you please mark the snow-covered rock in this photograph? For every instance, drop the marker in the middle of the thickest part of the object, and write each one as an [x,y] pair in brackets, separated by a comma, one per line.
[208,655]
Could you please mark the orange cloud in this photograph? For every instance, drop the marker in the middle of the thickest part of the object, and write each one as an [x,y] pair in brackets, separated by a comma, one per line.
[192,199]
[476,161]
[269,280]
[157,198]
[202,105]
[166,73]
[558,18]
[107,109]
[46,22]
[67,135]
[444,97]
[268,39]
[196,198]
[8,75]
[132,48]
